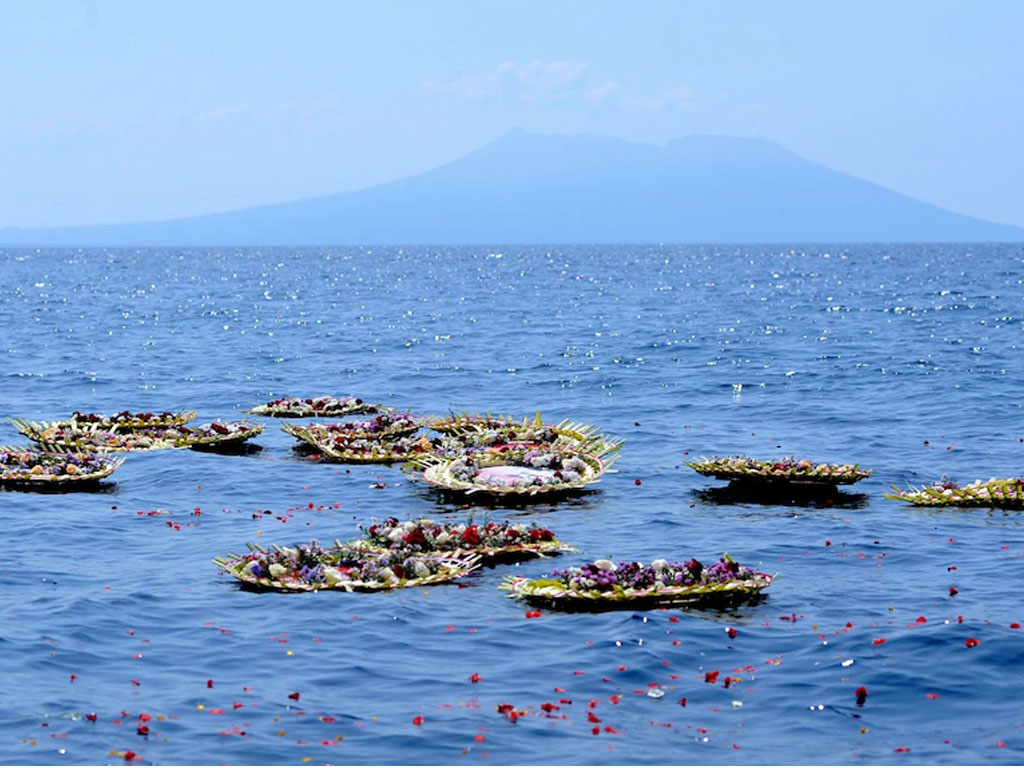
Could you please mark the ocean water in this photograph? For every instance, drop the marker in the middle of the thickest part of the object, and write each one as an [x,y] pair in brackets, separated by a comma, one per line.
[905,359]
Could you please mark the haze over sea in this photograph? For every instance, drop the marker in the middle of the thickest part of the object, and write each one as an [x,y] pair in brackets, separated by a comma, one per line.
[904,359]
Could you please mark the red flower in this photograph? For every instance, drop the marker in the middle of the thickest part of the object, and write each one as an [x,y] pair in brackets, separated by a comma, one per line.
[694,567]
[861,693]
[711,677]
[970,642]
[471,535]
[415,536]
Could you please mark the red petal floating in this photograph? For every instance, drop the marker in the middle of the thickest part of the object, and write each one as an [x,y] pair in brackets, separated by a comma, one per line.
[418,720]
[970,642]
[294,695]
[953,591]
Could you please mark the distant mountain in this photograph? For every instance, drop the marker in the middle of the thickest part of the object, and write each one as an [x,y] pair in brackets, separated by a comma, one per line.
[530,188]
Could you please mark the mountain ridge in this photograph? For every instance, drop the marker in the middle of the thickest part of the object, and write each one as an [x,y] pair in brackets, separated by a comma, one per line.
[526,188]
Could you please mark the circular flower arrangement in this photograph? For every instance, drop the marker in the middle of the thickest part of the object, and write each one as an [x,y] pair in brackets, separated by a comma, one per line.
[298,408]
[515,470]
[603,584]
[21,467]
[384,426]
[789,470]
[310,568]
[493,542]
[995,492]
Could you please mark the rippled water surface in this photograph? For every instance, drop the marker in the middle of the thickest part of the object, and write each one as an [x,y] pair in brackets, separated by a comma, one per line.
[904,359]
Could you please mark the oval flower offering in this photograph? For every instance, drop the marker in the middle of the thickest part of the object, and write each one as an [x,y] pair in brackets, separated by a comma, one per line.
[127,421]
[91,438]
[486,431]
[382,427]
[1006,493]
[743,469]
[361,450]
[605,585]
[515,470]
[311,569]
[493,542]
[214,435]
[28,469]
[325,405]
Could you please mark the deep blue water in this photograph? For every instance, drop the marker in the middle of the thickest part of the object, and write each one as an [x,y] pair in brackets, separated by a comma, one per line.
[904,359]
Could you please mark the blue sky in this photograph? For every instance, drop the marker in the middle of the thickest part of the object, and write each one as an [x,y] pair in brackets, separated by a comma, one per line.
[129,111]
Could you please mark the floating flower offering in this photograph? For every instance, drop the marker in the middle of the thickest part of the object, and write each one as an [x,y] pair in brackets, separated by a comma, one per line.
[804,472]
[515,470]
[92,439]
[22,467]
[216,434]
[126,420]
[386,425]
[603,584]
[493,542]
[487,430]
[996,492]
[297,408]
[310,568]
[364,451]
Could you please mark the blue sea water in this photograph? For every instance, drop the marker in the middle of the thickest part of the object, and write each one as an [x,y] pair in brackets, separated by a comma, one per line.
[905,359]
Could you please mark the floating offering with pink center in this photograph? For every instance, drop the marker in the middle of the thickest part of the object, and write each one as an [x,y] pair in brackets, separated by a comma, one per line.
[1005,493]
[606,585]
[311,407]
[515,470]
[309,568]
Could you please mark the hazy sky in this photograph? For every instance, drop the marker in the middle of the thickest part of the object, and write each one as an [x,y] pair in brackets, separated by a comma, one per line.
[126,111]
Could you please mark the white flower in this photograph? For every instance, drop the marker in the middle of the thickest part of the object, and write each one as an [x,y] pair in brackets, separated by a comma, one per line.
[277,570]
[604,565]
[395,535]
[443,538]
[386,574]
[659,565]
[420,568]
[333,575]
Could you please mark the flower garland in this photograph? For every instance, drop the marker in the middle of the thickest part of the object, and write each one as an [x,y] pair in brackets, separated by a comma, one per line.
[494,542]
[310,568]
[744,468]
[325,405]
[25,467]
[995,492]
[603,583]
